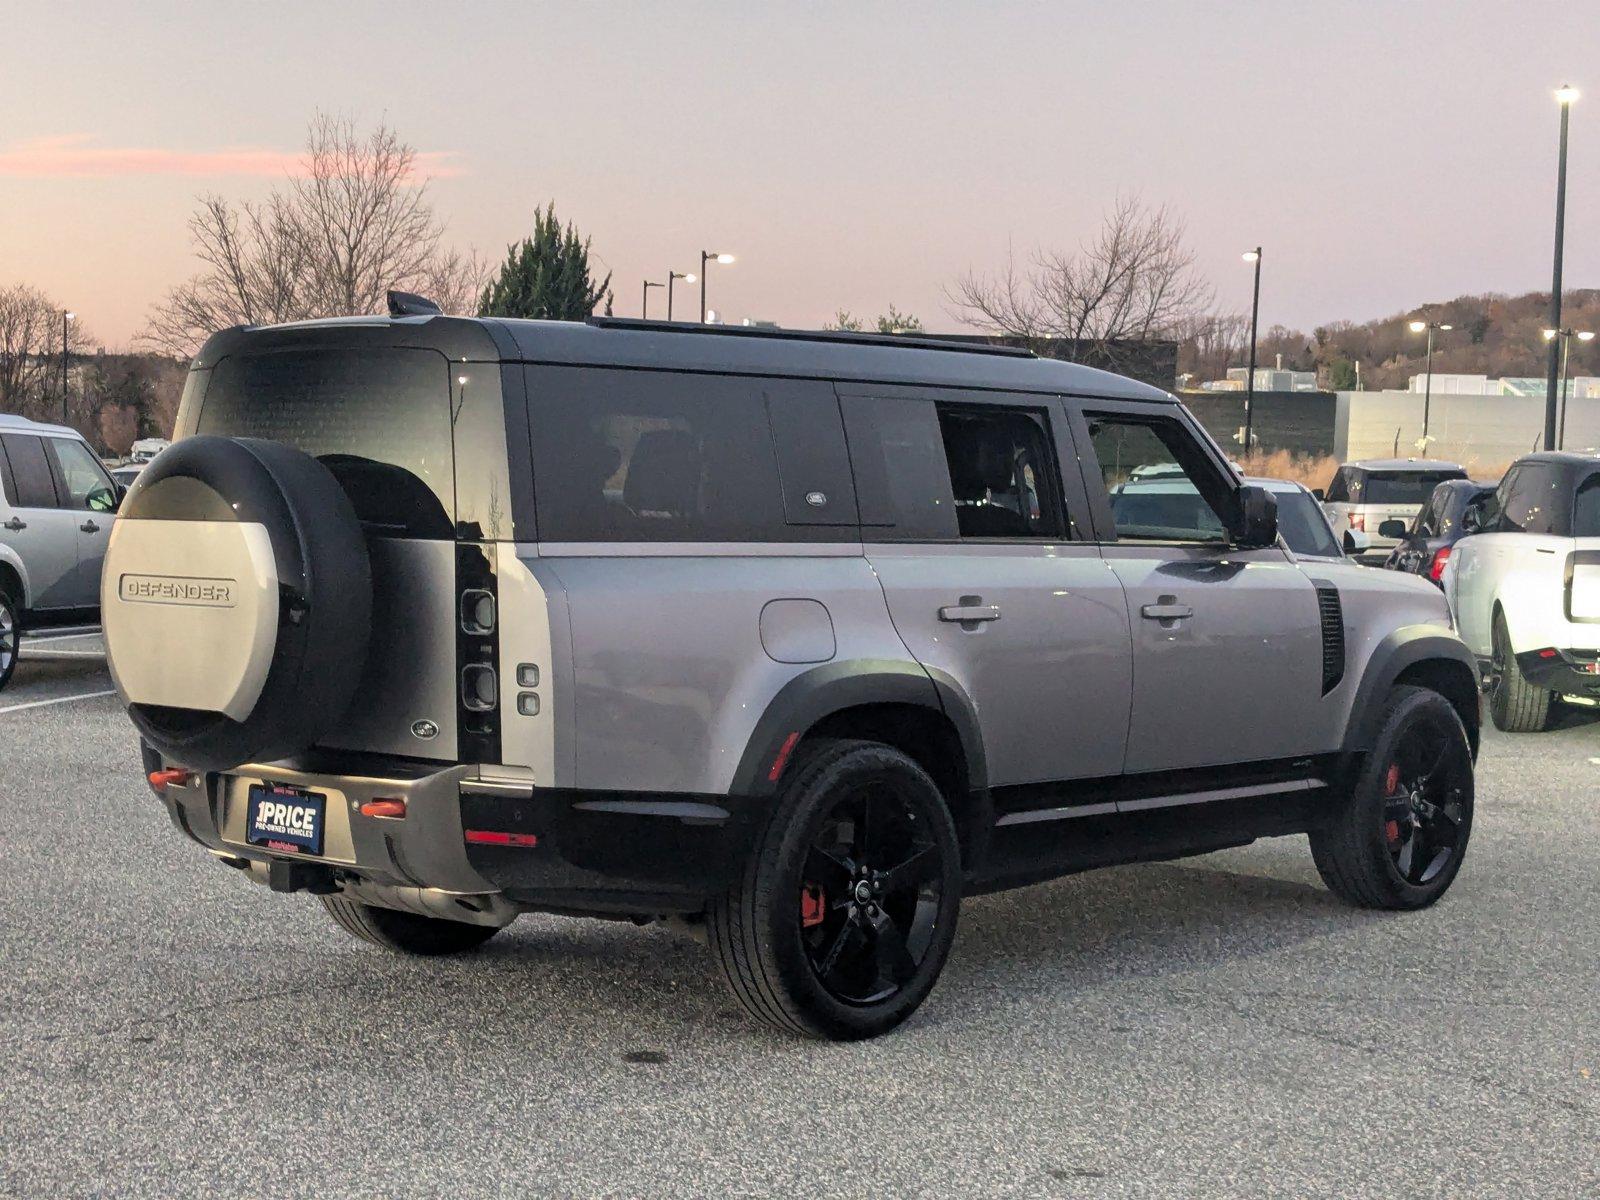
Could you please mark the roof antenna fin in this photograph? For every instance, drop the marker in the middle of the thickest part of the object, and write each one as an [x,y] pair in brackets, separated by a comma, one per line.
[404,304]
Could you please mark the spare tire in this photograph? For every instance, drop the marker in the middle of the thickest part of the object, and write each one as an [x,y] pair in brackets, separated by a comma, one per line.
[236,601]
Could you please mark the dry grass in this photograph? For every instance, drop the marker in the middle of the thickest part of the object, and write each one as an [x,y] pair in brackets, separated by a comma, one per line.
[1315,471]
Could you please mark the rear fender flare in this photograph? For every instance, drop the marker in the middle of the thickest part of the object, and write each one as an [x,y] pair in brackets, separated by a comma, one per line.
[11,559]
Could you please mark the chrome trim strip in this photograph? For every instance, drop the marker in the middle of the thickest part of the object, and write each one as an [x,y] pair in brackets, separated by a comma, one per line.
[850,549]
[1034,815]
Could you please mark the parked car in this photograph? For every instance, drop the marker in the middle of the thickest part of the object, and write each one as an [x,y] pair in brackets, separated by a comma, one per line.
[1363,495]
[1304,526]
[146,449]
[57,508]
[1524,585]
[127,473]
[798,638]
[1425,546]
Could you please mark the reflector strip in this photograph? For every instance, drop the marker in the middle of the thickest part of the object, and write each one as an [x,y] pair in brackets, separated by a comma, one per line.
[495,837]
[782,760]
[160,781]
[384,808]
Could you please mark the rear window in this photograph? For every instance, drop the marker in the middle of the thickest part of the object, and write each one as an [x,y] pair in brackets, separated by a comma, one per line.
[1303,526]
[378,419]
[1398,487]
[1586,508]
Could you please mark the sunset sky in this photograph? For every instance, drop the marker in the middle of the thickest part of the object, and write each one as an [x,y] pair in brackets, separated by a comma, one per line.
[851,155]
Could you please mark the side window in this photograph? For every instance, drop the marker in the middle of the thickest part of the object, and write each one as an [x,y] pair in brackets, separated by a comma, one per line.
[8,485]
[1156,479]
[658,456]
[1002,472]
[1430,522]
[1525,501]
[1339,489]
[1586,508]
[897,457]
[88,485]
[30,471]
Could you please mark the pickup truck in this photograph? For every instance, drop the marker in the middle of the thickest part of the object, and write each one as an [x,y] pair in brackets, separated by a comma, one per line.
[1524,587]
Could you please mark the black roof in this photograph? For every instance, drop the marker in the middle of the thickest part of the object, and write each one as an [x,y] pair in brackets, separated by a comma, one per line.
[883,358]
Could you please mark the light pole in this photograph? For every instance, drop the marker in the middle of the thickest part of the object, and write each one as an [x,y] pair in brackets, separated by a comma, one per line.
[1427,384]
[709,256]
[65,318]
[644,308]
[1564,97]
[1566,336]
[671,275]
[1252,256]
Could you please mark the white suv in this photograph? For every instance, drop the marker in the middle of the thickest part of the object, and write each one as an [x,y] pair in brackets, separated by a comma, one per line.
[57,505]
[1365,496]
[1525,587]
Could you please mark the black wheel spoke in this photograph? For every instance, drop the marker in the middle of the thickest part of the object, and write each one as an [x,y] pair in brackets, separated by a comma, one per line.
[847,933]
[916,870]
[1408,850]
[894,962]
[833,871]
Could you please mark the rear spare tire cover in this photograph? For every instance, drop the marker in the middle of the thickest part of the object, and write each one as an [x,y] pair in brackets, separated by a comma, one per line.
[236,601]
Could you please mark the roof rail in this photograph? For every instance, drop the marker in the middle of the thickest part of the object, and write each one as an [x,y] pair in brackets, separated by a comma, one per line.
[844,337]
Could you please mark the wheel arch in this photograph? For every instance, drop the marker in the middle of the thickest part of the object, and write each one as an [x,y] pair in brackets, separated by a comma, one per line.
[1421,656]
[925,714]
[14,577]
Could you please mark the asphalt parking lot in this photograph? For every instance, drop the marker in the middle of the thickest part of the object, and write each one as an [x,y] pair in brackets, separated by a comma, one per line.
[1216,1027]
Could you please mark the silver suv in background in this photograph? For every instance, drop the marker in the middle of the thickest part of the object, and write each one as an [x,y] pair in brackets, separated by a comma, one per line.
[794,638]
[1363,495]
[57,506]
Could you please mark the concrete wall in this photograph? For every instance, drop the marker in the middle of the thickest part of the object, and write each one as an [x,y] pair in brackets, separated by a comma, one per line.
[1481,431]
[1301,422]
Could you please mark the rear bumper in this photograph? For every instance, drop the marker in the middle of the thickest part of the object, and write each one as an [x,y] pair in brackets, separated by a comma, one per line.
[580,851]
[1570,672]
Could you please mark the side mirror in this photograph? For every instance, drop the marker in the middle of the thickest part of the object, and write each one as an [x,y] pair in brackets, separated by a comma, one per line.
[1394,527]
[1319,494]
[1356,542]
[1257,523]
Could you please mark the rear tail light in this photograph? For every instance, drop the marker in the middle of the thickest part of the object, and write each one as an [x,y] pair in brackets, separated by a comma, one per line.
[1358,522]
[1436,567]
[1548,652]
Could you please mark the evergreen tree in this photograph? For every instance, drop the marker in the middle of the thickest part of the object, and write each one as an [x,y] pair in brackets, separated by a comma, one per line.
[546,276]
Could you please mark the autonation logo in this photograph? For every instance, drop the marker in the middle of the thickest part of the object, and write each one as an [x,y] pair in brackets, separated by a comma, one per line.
[175,589]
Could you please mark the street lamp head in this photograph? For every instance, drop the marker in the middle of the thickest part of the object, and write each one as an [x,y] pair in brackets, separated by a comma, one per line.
[689,278]
[1418,326]
[1549,334]
[1444,327]
[71,316]
[1566,94]
[1586,335]
[1251,255]
[722,258]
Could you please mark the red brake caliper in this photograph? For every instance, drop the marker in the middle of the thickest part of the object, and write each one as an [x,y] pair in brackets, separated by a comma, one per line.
[813,905]
[1391,785]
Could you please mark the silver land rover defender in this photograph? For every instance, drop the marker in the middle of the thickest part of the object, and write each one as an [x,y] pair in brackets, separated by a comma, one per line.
[796,637]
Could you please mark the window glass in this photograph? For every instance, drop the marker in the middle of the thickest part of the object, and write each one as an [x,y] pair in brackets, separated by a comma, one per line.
[638,456]
[1586,508]
[1001,472]
[1303,526]
[1401,487]
[30,471]
[901,476]
[1431,518]
[1339,489]
[1528,500]
[1151,475]
[380,420]
[8,486]
[88,485]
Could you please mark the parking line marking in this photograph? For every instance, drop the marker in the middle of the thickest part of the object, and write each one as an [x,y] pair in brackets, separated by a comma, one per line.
[57,700]
[32,653]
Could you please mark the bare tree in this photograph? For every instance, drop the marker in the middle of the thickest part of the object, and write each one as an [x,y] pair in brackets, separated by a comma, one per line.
[30,352]
[356,223]
[1209,344]
[1135,279]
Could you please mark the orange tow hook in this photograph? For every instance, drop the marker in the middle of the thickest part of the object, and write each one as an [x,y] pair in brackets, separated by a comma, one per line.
[160,781]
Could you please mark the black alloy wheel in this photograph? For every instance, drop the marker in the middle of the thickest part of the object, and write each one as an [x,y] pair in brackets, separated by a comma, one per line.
[10,637]
[871,894]
[1424,823]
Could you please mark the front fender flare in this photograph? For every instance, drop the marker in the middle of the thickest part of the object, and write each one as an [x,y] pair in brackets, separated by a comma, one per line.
[1399,650]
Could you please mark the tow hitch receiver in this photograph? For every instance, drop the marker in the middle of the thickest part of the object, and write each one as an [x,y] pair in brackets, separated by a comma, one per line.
[300,877]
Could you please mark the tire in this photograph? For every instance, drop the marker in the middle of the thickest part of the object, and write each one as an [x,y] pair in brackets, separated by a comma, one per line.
[1515,705]
[836,929]
[1362,853]
[406,933]
[10,636]
[236,603]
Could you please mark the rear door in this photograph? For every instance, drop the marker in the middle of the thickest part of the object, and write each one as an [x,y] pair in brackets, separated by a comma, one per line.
[1227,643]
[88,493]
[989,579]
[40,530]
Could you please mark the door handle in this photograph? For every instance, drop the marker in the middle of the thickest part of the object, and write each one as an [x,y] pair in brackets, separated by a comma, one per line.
[971,608]
[16,523]
[1166,609]
[89,527]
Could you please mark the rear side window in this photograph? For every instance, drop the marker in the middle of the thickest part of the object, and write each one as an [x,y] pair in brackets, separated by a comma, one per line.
[30,471]
[660,456]
[1530,498]
[380,420]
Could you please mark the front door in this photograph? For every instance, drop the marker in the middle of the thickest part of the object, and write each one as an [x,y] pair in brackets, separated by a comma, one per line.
[989,583]
[43,534]
[1227,644]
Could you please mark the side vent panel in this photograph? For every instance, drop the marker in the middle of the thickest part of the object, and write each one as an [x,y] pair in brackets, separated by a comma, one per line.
[1332,613]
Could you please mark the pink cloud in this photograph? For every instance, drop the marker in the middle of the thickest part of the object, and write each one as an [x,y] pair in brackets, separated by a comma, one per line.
[74,156]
